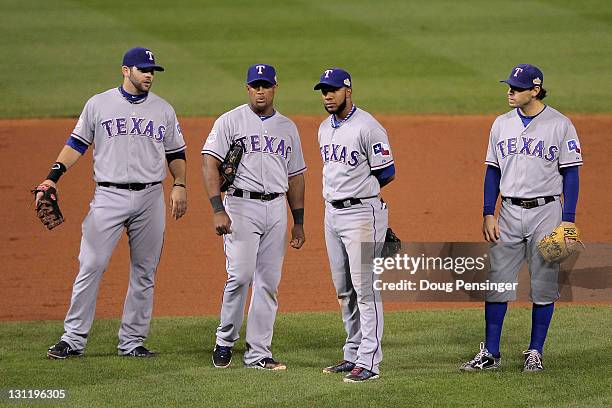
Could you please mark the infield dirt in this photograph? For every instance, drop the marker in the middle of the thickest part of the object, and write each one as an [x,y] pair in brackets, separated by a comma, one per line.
[437,196]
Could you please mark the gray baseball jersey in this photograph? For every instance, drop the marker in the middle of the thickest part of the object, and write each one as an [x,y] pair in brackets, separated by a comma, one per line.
[130,143]
[135,135]
[530,157]
[256,247]
[350,152]
[272,149]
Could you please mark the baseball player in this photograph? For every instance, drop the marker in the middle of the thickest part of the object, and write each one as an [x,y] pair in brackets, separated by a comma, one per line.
[133,132]
[252,217]
[533,157]
[357,162]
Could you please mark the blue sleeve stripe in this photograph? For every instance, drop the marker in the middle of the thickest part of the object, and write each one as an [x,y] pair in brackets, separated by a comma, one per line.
[80,138]
[77,144]
[382,166]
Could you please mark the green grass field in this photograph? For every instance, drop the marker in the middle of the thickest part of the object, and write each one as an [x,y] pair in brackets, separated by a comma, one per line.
[439,56]
[423,350]
[405,57]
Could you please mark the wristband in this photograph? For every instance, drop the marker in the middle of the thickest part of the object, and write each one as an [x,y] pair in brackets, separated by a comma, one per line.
[217,204]
[56,172]
[298,216]
[179,185]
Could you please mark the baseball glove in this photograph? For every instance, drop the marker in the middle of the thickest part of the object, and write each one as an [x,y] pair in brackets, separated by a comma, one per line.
[47,208]
[392,244]
[229,165]
[560,244]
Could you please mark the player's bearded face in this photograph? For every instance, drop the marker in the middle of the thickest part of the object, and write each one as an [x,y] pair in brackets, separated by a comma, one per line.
[334,100]
[142,81]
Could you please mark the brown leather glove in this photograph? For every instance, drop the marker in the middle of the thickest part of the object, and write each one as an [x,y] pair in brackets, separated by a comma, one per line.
[560,244]
[47,208]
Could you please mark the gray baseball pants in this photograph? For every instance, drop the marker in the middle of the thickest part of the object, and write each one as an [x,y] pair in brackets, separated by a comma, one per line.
[347,232]
[254,257]
[520,231]
[112,210]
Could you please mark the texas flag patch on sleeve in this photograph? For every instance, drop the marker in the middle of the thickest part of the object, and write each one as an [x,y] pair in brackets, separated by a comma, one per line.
[572,145]
[381,149]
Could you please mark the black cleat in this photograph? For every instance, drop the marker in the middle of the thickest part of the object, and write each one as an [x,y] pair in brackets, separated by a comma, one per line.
[533,361]
[267,363]
[62,350]
[482,361]
[343,366]
[140,352]
[222,356]
[360,374]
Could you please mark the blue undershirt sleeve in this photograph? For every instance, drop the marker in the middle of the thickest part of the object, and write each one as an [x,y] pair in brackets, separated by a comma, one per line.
[77,145]
[491,190]
[176,155]
[384,175]
[571,186]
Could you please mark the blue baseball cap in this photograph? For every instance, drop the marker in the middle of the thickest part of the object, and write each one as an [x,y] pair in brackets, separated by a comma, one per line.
[335,78]
[261,72]
[525,76]
[140,57]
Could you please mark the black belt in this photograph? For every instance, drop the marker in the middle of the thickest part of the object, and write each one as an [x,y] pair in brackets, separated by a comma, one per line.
[346,203]
[528,203]
[129,186]
[255,196]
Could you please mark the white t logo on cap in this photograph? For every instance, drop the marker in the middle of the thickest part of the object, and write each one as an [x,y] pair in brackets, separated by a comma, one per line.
[517,71]
[260,69]
[327,72]
[150,54]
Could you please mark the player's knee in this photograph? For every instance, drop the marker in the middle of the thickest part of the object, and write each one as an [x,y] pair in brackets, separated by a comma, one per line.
[144,263]
[239,281]
[93,264]
[544,296]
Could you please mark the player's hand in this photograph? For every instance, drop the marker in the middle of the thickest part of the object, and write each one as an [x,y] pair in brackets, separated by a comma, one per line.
[490,228]
[178,201]
[297,236]
[222,223]
[39,195]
